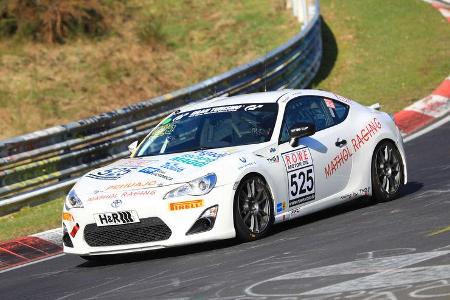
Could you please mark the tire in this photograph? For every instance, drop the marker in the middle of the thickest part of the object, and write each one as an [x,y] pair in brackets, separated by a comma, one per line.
[387,172]
[253,209]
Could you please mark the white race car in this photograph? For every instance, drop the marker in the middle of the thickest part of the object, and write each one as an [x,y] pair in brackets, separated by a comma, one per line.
[232,167]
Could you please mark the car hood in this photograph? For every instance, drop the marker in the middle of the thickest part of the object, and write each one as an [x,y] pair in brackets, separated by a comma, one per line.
[163,170]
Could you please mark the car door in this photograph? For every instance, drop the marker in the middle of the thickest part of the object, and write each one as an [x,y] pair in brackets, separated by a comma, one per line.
[318,166]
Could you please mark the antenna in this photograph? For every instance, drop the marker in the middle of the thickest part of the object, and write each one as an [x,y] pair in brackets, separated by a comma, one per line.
[265,70]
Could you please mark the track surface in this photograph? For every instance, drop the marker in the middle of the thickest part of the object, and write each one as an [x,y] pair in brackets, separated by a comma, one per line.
[364,251]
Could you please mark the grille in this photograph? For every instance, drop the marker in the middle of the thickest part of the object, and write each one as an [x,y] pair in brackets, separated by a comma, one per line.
[148,230]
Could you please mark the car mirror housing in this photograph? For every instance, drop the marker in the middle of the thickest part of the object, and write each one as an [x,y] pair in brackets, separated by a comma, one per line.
[132,146]
[300,130]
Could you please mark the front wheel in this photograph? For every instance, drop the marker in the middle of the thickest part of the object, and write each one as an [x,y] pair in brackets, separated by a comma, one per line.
[253,209]
[387,172]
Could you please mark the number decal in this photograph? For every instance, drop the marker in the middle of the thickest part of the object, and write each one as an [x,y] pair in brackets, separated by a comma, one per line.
[300,172]
[301,186]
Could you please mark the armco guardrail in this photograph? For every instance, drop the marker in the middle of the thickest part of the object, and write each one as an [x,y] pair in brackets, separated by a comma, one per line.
[47,162]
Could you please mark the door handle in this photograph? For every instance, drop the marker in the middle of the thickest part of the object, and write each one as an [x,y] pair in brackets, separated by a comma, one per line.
[340,143]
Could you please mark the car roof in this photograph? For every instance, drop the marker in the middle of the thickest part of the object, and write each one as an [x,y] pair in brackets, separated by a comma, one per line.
[263,97]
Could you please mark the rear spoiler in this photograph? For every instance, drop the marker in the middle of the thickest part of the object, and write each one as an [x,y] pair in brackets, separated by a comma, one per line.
[375,106]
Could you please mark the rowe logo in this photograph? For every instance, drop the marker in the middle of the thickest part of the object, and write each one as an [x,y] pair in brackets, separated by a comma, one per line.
[186,205]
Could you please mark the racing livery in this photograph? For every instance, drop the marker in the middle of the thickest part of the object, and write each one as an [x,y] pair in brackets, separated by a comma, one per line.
[232,167]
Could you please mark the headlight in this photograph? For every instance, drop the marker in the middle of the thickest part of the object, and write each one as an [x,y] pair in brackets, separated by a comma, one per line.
[196,187]
[73,201]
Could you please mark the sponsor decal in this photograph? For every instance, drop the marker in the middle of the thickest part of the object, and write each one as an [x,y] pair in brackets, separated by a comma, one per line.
[343,99]
[163,129]
[109,174]
[180,116]
[253,107]
[340,159]
[166,121]
[186,205]
[243,160]
[274,159]
[272,150]
[173,166]
[362,136]
[103,197]
[199,158]
[132,185]
[365,134]
[74,230]
[300,173]
[132,162]
[124,194]
[213,110]
[227,108]
[329,103]
[297,159]
[246,165]
[156,172]
[361,192]
[116,218]
[116,203]
[137,193]
[295,212]
[281,206]
[67,216]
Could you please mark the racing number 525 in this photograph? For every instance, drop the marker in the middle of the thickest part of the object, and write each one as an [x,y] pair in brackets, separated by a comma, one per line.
[301,177]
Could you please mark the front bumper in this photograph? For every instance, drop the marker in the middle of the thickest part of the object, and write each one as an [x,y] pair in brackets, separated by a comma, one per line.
[179,221]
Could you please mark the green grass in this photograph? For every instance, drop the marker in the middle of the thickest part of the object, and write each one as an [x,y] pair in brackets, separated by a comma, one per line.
[30,220]
[153,47]
[392,52]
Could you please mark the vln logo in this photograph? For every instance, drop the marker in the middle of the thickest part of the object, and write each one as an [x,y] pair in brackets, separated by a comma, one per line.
[116,203]
[185,205]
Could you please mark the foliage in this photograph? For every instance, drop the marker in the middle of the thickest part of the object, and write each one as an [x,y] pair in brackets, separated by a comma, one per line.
[51,20]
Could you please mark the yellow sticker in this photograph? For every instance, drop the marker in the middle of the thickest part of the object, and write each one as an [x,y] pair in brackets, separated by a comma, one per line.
[186,204]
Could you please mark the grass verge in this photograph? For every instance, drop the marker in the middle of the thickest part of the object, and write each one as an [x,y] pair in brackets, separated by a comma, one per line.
[392,52]
[152,47]
[30,220]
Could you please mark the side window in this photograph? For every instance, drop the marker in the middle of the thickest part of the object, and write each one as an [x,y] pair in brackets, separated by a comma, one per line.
[338,110]
[306,109]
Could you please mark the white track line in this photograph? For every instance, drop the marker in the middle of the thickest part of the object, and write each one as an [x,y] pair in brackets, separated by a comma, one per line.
[32,263]
[427,129]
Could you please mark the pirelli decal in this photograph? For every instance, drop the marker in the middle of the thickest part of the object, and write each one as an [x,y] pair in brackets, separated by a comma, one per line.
[186,205]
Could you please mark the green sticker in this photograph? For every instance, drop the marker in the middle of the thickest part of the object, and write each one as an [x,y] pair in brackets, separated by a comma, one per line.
[166,121]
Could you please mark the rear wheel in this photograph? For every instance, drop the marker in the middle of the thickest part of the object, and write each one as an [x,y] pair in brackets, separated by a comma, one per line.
[387,172]
[253,209]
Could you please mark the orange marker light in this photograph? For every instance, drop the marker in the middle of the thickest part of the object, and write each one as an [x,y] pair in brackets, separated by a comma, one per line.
[67,216]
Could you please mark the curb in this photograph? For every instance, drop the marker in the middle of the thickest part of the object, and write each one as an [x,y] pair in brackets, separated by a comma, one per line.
[29,249]
[434,106]
[443,6]
[426,110]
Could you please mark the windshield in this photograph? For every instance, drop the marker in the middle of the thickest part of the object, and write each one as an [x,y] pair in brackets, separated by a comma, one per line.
[215,127]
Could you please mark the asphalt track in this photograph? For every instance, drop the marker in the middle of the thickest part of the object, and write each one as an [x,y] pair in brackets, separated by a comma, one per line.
[394,250]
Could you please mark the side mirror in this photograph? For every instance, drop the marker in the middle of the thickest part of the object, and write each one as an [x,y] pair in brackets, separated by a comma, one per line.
[132,146]
[300,130]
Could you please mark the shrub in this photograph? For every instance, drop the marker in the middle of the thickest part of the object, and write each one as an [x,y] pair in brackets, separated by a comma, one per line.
[150,30]
[51,20]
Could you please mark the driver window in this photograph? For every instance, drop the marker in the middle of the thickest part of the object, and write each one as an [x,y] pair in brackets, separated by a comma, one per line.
[305,109]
